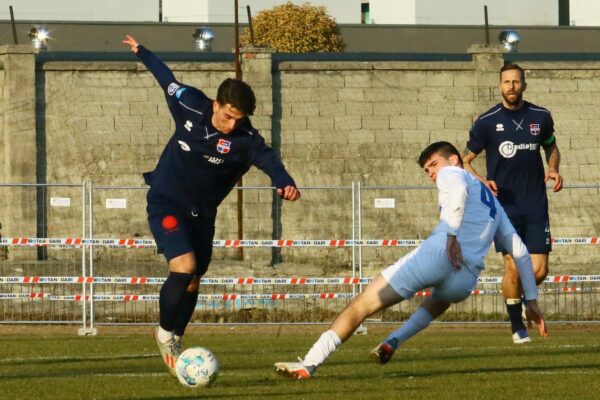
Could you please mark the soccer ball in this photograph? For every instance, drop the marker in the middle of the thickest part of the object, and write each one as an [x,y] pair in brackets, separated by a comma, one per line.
[197,367]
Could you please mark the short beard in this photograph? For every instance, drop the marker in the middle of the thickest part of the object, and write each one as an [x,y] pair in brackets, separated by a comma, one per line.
[515,102]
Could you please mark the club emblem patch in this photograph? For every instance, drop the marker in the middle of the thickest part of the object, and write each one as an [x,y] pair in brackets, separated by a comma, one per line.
[223,146]
[172,88]
[534,129]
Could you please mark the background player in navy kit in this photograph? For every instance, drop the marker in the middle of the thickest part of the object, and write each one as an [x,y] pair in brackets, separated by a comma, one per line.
[213,145]
[511,134]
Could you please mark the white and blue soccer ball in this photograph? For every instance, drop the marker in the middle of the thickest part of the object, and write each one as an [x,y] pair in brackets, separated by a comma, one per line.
[197,367]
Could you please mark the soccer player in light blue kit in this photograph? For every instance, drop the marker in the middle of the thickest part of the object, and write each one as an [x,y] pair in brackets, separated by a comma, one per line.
[450,261]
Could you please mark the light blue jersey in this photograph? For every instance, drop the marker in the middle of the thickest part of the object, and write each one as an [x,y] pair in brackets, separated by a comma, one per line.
[469,211]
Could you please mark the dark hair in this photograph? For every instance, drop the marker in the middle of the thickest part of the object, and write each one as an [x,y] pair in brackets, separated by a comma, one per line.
[444,149]
[237,93]
[510,66]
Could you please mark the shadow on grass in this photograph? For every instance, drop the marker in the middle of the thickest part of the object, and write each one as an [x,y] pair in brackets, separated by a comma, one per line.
[74,359]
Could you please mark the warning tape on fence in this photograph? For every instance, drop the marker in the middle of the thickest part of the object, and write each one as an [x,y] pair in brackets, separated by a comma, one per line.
[250,281]
[149,243]
[154,297]
[244,296]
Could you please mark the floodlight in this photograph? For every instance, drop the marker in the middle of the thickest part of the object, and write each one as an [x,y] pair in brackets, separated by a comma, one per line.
[39,37]
[510,40]
[203,38]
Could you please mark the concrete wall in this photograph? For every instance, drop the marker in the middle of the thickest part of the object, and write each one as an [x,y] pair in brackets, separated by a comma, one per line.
[333,122]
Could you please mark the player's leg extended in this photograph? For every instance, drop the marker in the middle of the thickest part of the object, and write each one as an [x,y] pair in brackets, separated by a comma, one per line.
[377,296]
[429,310]
[202,231]
[186,308]
[172,295]
[512,292]
[181,275]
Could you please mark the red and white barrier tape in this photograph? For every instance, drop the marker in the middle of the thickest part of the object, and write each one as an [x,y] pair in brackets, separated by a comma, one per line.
[242,296]
[154,297]
[149,243]
[251,281]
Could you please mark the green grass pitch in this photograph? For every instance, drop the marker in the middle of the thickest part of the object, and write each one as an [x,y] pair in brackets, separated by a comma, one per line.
[443,362]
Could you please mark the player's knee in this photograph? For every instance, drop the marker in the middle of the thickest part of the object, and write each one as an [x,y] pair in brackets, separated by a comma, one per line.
[362,308]
[511,276]
[185,263]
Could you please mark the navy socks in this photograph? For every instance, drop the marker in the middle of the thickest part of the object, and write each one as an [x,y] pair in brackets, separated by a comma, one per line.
[184,314]
[172,295]
[514,307]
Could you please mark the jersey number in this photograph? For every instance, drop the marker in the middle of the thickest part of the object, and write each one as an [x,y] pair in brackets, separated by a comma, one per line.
[487,198]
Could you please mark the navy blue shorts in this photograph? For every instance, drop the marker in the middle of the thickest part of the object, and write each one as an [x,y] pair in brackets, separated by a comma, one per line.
[177,233]
[534,233]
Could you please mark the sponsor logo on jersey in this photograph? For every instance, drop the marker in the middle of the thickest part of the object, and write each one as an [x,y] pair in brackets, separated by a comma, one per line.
[223,146]
[214,160]
[499,128]
[188,125]
[172,88]
[534,129]
[184,145]
[169,223]
[508,149]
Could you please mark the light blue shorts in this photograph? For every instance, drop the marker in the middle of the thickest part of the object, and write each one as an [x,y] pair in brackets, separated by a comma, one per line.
[428,267]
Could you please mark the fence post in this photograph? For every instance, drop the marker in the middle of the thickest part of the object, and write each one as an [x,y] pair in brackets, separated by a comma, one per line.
[88,216]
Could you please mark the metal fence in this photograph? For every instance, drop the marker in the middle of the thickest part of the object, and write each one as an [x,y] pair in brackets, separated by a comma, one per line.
[78,253]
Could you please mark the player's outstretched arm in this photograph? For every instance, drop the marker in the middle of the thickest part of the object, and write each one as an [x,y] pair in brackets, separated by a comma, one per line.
[130,41]
[534,313]
[469,156]
[289,193]
[161,72]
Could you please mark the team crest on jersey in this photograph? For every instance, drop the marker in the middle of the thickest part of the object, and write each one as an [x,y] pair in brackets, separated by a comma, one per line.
[534,129]
[223,146]
[499,128]
[172,88]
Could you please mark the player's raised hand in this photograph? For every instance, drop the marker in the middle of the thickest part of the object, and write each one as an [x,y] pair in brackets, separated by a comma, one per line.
[130,41]
[534,313]
[289,193]
[555,176]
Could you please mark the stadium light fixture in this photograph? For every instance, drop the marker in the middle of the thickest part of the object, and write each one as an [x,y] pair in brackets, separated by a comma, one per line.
[39,37]
[510,40]
[203,38]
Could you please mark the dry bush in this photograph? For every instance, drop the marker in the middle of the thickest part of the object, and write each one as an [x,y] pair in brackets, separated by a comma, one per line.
[290,28]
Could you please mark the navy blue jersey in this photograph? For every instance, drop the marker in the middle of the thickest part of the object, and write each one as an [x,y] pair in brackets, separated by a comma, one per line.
[512,140]
[200,165]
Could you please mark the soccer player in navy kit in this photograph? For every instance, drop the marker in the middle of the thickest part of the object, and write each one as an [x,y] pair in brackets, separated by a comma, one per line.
[213,145]
[511,134]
